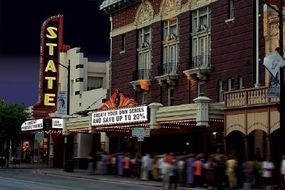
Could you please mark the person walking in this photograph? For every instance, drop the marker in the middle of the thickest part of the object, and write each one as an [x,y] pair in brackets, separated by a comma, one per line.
[282,172]
[165,170]
[145,167]
[198,169]
[120,165]
[126,165]
[181,171]
[267,173]
[210,167]
[91,168]
[190,171]
[231,167]
[173,175]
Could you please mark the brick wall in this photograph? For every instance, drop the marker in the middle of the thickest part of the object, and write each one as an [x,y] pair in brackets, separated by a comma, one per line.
[232,52]
[232,45]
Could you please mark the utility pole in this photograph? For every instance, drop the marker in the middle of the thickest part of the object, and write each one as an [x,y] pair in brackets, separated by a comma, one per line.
[68,88]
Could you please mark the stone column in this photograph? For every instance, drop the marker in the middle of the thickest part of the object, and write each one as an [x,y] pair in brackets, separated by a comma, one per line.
[202,118]
[153,109]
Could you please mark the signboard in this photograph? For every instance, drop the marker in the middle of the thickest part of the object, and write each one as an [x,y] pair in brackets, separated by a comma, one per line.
[62,103]
[273,62]
[57,123]
[51,42]
[273,87]
[140,133]
[43,124]
[32,125]
[119,116]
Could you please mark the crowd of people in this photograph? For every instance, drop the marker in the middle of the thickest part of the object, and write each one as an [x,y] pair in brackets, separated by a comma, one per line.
[216,171]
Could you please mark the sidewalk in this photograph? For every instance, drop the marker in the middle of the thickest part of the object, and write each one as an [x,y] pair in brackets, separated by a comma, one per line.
[78,173]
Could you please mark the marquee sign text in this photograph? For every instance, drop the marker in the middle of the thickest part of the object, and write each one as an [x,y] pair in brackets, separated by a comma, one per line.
[119,116]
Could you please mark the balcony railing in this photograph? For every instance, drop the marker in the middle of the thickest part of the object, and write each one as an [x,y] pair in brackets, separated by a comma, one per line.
[170,68]
[142,74]
[200,61]
[248,97]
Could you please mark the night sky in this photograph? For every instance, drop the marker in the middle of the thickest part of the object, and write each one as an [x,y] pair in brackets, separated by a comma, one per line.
[85,26]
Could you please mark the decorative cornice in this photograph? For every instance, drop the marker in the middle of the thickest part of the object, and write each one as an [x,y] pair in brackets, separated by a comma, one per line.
[166,11]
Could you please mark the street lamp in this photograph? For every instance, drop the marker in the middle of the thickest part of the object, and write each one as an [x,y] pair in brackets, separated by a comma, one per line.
[66,164]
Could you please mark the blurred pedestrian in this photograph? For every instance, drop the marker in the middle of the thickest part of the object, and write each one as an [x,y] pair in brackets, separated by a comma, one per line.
[282,172]
[120,165]
[231,168]
[210,167]
[91,168]
[126,165]
[173,174]
[198,169]
[165,170]
[190,171]
[267,173]
[181,171]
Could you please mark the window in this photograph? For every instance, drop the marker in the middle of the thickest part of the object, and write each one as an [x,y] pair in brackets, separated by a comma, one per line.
[230,84]
[220,91]
[123,45]
[79,79]
[200,89]
[170,96]
[144,98]
[79,66]
[241,82]
[77,92]
[201,47]
[231,9]
[144,53]
[94,82]
[170,46]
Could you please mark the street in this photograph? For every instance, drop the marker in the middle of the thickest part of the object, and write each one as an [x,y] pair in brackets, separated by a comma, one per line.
[20,179]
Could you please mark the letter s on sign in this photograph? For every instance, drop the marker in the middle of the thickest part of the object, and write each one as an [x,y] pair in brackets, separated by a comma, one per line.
[51,32]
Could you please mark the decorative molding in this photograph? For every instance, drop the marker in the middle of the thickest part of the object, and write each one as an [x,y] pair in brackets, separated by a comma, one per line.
[170,8]
[144,14]
[196,4]
[235,122]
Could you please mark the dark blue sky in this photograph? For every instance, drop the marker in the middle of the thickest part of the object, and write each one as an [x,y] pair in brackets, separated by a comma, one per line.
[85,26]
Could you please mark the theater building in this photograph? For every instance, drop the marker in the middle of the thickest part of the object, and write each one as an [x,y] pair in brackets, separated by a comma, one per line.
[178,57]
[69,85]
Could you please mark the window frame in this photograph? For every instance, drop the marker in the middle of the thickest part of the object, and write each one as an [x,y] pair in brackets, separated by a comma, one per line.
[170,45]
[220,97]
[144,52]
[201,37]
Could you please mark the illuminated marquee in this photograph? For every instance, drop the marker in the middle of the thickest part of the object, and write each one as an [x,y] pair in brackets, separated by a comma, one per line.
[120,116]
[51,43]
